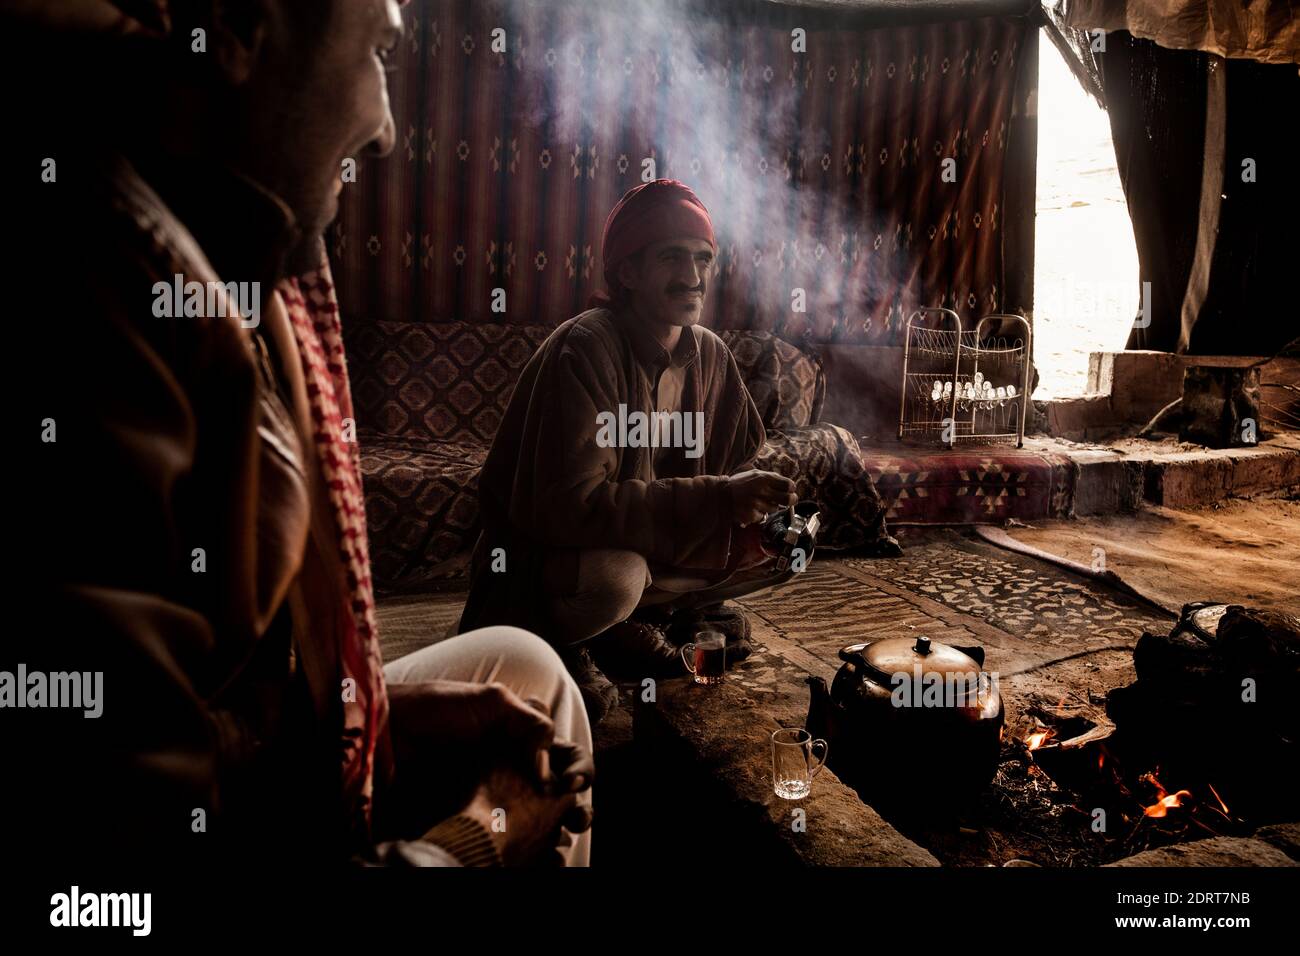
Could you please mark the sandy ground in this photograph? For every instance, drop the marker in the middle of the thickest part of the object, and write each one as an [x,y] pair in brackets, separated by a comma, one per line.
[1085,262]
[1242,551]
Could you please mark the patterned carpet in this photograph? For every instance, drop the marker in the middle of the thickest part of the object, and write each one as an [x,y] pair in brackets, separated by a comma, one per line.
[951,587]
[1012,592]
[1031,618]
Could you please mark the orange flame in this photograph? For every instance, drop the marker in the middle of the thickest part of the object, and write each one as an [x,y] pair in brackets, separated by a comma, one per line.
[1219,798]
[1162,806]
[1037,739]
[1165,801]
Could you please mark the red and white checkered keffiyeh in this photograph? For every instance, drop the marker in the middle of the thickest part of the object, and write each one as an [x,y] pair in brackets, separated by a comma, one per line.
[314,313]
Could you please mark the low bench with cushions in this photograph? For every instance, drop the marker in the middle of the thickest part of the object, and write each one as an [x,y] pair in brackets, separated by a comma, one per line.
[430,396]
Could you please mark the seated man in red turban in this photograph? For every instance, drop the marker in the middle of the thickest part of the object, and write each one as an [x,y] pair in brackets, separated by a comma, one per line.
[619,479]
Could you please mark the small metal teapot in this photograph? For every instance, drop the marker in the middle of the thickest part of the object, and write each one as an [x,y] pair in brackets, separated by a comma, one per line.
[912,723]
[790,535]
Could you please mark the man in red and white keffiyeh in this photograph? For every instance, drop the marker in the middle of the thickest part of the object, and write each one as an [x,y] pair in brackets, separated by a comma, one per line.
[207,461]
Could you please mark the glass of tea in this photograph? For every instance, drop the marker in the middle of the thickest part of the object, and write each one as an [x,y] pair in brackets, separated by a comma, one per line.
[793,764]
[706,657]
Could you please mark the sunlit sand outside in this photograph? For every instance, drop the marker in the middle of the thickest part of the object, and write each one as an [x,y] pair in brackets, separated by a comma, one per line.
[1085,265]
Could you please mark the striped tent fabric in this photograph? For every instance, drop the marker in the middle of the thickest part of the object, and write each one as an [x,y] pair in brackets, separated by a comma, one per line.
[853,172]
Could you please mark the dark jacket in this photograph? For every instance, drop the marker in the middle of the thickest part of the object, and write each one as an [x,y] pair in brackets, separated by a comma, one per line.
[169,528]
[548,488]
[186,554]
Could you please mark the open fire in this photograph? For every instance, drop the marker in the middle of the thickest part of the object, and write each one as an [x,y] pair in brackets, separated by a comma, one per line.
[1153,814]
[1206,724]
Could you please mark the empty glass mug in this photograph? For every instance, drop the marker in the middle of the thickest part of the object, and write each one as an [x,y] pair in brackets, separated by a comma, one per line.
[793,767]
[706,657]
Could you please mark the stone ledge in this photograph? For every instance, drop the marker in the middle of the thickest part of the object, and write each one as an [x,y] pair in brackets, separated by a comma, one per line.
[1108,484]
[1195,478]
[1284,836]
[1084,418]
[1118,477]
[1218,851]
[727,736]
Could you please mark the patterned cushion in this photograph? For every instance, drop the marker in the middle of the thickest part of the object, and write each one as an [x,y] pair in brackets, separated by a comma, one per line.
[825,464]
[439,382]
[421,506]
[973,485]
[787,385]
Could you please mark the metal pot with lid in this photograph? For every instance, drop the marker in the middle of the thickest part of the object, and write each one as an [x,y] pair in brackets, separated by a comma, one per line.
[910,721]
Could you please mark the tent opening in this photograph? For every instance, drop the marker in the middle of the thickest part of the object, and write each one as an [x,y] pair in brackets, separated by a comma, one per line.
[1085,258]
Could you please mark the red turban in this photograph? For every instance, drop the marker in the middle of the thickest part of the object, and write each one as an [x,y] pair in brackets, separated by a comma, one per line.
[649,213]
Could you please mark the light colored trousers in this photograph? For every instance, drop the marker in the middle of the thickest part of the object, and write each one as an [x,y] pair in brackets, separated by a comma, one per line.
[528,666]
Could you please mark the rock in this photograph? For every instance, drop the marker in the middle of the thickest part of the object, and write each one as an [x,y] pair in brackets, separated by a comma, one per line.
[1220,406]
[1284,836]
[1219,851]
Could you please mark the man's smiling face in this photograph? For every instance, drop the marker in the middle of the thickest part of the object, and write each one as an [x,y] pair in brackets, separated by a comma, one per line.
[667,281]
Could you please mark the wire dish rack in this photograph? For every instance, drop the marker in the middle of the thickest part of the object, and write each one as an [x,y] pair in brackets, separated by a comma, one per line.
[959,387]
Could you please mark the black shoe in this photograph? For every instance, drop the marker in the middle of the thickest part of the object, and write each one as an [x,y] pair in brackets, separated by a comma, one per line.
[598,694]
[886,546]
[634,649]
[724,617]
[656,615]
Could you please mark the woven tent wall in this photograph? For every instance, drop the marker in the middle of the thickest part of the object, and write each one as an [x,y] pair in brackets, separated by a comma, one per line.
[821,156]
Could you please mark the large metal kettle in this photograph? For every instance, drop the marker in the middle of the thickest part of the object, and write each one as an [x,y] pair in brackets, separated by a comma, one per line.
[913,724]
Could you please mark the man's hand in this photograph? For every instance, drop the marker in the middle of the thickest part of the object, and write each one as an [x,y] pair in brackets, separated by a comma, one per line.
[746,549]
[525,817]
[437,716]
[754,494]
